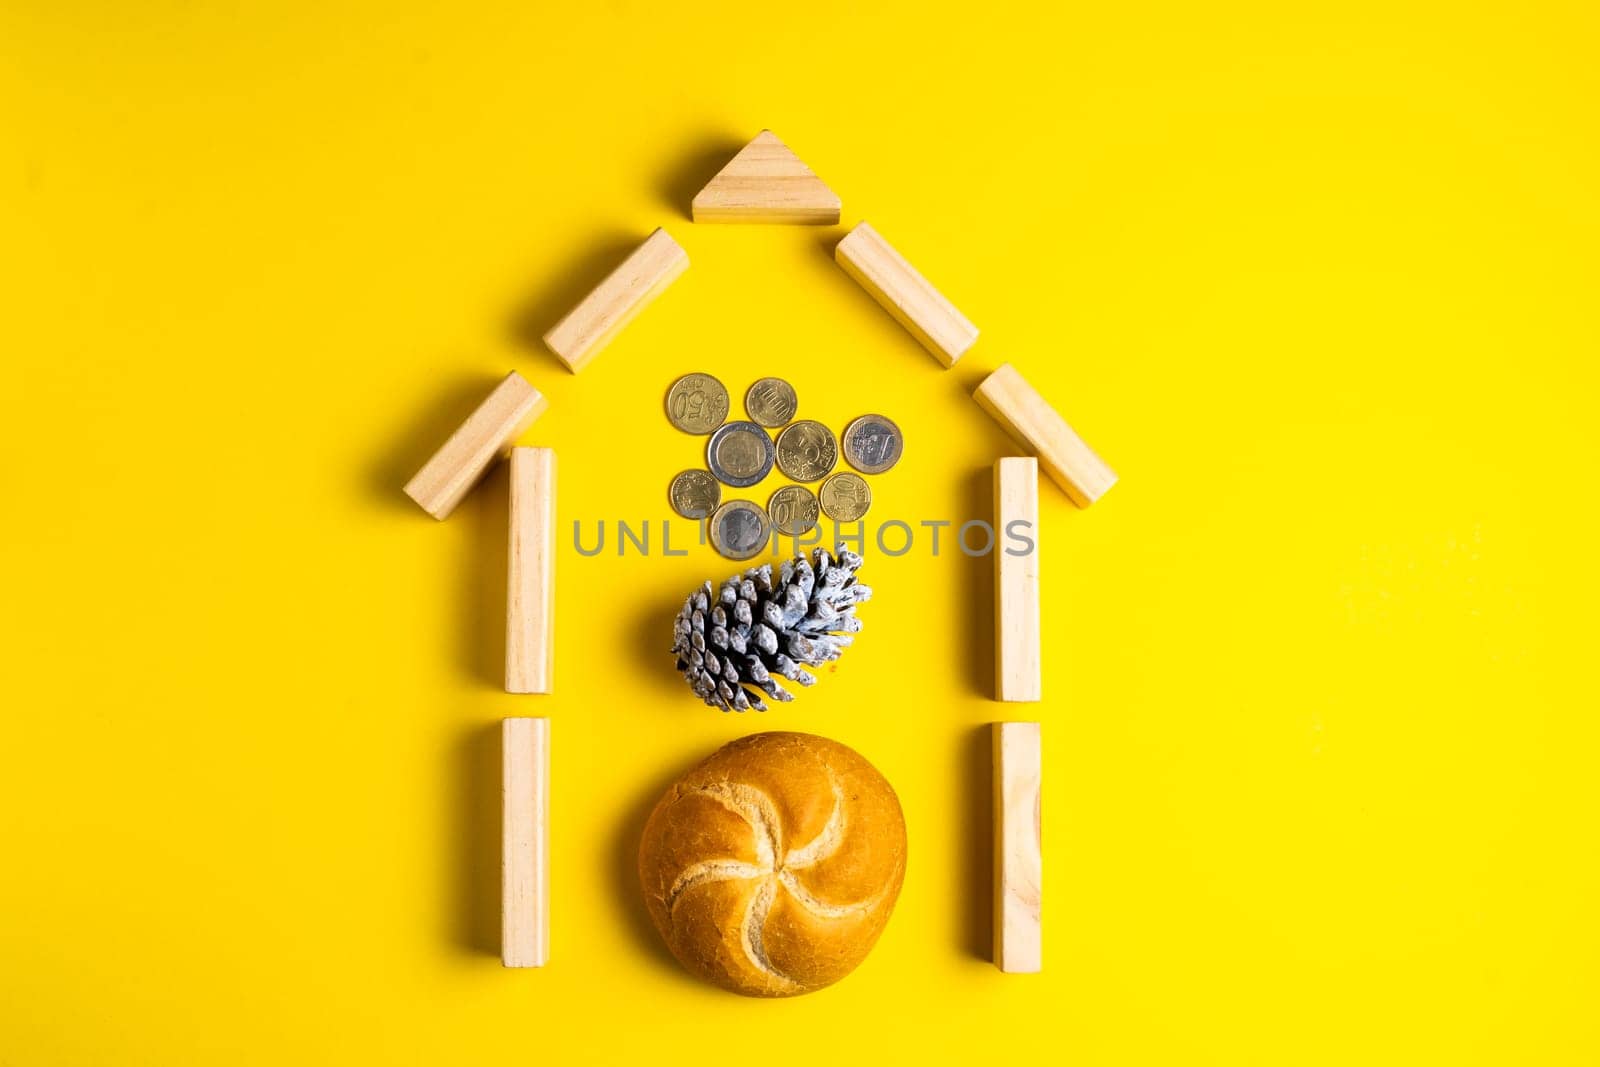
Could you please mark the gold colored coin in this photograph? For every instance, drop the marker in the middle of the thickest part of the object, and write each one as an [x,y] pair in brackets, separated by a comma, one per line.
[872,444]
[771,402]
[739,529]
[694,494]
[807,451]
[845,497]
[697,403]
[793,510]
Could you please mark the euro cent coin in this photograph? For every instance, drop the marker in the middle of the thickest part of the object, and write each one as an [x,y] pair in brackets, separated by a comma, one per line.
[739,454]
[771,402]
[694,494]
[739,529]
[872,444]
[807,451]
[845,497]
[697,403]
[793,510]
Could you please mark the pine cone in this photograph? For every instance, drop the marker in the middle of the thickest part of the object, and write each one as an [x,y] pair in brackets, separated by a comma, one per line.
[755,628]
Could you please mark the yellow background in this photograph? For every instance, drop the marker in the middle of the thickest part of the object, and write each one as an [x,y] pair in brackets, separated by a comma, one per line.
[1318,280]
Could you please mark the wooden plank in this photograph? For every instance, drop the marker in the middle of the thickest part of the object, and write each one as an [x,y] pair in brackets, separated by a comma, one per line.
[1018,856]
[525,847]
[614,303]
[1016,579]
[488,434]
[1028,418]
[530,572]
[905,294]
[766,182]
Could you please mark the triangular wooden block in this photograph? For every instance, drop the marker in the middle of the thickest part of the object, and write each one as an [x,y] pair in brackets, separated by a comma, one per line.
[766,182]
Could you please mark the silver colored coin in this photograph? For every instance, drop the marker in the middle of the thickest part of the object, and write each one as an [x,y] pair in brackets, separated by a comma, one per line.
[793,510]
[740,454]
[807,451]
[694,494]
[872,444]
[771,402]
[739,529]
[697,403]
[845,497]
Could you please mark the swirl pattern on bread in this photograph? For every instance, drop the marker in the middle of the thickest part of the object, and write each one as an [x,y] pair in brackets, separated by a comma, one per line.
[772,867]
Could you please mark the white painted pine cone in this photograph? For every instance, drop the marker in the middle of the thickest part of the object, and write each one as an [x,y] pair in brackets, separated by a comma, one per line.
[735,643]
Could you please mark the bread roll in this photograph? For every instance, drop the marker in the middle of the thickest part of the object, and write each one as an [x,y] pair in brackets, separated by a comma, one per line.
[771,868]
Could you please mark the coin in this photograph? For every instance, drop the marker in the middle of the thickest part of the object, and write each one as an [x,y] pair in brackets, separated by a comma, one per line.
[845,497]
[739,529]
[739,453]
[771,402]
[694,494]
[872,444]
[697,403]
[807,451]
[793,510]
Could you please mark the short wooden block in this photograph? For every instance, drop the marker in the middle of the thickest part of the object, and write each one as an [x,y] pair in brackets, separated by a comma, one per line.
[613,304]
[525,846]
[766,182]
[488,433]
[531,572]
[1071,464]
[1016,579]
[905,294]
[1018,856]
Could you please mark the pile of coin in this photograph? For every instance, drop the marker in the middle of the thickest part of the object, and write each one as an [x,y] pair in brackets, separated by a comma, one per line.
[740,453]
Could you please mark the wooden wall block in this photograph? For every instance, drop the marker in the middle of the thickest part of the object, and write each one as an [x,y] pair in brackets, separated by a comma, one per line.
[1018,856]
[766,182]
[1016,579]
[628,290]
[905,294]
[525,845]
[488,434]
[1071,464]
[531,572]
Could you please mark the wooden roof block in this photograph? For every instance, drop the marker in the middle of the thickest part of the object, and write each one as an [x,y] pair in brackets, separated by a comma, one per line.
[1030,419]
[904,293]
[766,182]
[488,434]
[614,303]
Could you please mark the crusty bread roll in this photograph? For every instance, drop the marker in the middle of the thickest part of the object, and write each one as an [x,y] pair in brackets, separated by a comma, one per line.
[772,867]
